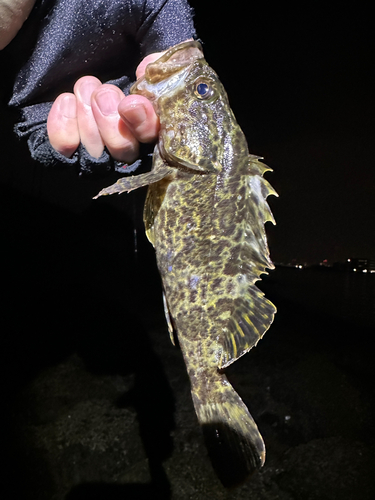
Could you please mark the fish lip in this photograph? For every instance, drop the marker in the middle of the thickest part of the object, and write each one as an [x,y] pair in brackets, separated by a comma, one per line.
[174,60]
[154,90]
[163,68]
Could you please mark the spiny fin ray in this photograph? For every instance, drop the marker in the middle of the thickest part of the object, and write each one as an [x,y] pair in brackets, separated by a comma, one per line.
[127,184]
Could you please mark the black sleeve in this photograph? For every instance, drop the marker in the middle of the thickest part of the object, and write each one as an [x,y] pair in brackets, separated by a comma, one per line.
[104,38]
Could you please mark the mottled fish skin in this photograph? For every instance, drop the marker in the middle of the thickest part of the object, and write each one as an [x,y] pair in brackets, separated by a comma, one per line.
[205,213]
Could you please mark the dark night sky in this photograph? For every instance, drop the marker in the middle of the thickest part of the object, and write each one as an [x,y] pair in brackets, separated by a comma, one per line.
[301,83]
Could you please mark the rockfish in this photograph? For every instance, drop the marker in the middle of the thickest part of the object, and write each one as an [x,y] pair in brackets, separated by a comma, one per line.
[204,213]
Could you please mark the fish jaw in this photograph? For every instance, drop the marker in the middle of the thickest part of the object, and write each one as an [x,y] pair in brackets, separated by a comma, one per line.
[172,61]
[168,71]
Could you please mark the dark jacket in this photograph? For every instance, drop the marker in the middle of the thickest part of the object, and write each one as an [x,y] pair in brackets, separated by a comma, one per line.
[67,39]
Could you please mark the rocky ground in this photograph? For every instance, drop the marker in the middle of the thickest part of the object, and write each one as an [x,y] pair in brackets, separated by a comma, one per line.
[96,401]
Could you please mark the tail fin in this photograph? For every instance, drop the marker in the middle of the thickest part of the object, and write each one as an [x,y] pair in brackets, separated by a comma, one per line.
[233,441]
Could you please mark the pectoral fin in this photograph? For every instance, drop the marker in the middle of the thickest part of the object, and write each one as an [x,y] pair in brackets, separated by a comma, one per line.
[127,184]
[160,169]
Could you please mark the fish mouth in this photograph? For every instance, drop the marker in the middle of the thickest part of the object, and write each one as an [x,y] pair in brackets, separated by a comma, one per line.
[167,71]
[174,60]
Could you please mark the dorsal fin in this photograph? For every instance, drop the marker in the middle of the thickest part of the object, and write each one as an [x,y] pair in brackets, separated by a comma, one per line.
[251,314]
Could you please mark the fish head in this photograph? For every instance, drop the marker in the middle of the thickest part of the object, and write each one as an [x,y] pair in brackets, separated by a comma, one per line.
[193,107]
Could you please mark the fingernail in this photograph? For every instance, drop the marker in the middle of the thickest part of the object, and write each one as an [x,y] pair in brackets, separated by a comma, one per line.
[108,102]
[86,90]
[135,114]
[68,106]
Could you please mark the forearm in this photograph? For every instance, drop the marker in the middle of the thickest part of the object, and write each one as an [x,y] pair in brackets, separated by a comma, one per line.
[13,13]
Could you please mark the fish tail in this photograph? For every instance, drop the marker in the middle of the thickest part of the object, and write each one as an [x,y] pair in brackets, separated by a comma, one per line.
[232,438]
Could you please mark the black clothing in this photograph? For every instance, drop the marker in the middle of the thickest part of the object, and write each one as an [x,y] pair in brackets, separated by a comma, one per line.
[73,38]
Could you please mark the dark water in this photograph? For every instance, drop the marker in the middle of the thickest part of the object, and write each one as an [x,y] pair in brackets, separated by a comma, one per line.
[348,296]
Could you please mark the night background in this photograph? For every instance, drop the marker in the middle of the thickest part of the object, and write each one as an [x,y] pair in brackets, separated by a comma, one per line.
[96,401]
[301,85]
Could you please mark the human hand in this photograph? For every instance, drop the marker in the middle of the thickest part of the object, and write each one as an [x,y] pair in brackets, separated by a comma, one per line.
[99,115]
[13,13]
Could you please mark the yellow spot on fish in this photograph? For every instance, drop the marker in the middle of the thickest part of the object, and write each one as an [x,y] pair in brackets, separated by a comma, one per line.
[225,315]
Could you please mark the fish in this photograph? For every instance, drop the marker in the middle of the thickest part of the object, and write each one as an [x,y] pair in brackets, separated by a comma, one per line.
[205,215]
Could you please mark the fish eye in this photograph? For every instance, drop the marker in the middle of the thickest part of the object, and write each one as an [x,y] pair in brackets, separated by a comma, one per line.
[203,90]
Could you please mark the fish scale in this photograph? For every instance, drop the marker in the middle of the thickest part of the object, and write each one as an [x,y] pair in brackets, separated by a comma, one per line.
[204,213]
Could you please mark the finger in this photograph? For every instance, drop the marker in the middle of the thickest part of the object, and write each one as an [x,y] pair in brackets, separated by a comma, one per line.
[88,129]
[139,116]
[62,126]
[117,137]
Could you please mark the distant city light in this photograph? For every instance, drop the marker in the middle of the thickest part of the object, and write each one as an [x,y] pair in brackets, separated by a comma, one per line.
[360,265]
[351,264]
